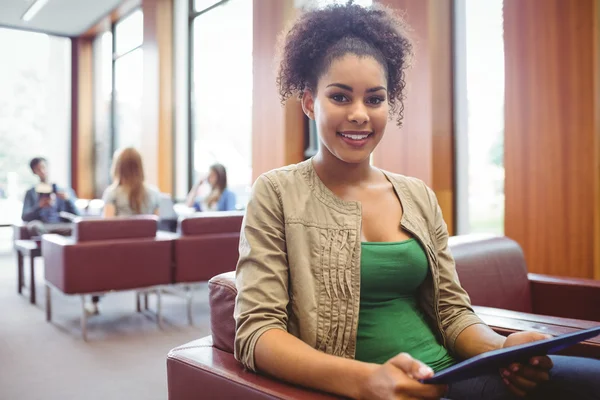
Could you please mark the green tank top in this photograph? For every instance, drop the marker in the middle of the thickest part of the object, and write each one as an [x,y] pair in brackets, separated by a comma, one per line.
[390,321]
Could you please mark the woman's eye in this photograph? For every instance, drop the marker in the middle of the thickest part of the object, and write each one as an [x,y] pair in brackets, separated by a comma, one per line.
[339,98]
[375,100]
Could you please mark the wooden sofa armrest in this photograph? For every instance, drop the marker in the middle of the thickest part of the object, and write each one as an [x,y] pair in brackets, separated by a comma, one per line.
[506,322]
[565,297]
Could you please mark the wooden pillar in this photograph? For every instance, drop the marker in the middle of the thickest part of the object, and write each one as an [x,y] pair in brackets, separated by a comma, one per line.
[552,134]
[424,146]
[82,120]
[277,131]
[157,147]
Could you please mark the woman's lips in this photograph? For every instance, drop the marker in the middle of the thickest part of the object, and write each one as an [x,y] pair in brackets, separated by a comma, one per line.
[355,139]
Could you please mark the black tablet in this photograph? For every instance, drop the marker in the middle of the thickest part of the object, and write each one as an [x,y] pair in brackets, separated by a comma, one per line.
[491,361]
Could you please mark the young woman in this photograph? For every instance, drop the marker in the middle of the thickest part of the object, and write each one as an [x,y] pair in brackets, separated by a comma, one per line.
[129,195]
[219,199]
[345,280]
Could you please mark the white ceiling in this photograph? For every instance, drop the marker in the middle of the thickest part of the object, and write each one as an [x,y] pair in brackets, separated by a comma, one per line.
[59,17]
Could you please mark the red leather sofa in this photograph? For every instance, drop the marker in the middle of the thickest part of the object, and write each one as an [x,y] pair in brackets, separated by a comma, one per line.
[104,255]
[206,245]
[206,368]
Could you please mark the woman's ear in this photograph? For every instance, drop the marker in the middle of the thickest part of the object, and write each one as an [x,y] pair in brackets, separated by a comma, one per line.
[308,104]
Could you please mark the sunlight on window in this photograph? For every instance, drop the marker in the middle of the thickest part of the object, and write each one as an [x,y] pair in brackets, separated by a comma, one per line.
[200,5]
[35,113]
[103,59]
[485,97]
[129,32]
[128,91]
[222,93]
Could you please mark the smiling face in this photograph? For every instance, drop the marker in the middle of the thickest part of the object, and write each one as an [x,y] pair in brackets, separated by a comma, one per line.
[350,107]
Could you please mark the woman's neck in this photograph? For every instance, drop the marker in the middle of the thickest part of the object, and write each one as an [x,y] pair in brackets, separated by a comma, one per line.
[334,172]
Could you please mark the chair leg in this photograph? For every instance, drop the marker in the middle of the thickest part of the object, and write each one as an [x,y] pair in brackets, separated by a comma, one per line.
[146,300]
[20,275]
[83,319]
[32,280]
[138,305]
[158,308]
[189,306]
[48,303]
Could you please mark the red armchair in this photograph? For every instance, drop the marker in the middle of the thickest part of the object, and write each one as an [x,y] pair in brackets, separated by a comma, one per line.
[106,255]
[207,365]
[207,245]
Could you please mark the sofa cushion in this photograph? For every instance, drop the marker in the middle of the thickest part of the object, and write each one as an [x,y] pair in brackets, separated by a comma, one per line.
[92,229]
[497,261]
[211,223]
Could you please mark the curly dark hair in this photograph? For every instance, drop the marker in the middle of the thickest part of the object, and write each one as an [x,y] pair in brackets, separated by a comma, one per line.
[320,36]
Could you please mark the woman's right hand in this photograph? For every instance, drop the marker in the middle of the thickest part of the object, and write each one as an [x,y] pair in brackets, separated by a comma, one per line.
[398,379]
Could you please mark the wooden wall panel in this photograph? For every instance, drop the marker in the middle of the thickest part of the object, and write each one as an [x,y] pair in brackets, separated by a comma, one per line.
[157,148]
[424,147]
[277,131]
[82,119]
[551,133]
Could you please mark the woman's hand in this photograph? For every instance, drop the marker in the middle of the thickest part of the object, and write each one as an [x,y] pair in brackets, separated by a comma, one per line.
[523,378]
[398,379]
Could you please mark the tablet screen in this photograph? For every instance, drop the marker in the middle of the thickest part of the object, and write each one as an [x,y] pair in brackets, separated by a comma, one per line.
[491,361]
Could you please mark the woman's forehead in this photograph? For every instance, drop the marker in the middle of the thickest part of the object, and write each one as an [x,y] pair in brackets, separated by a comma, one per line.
[352,70]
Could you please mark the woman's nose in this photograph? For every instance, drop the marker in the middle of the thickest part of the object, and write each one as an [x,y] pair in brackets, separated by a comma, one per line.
[358,114]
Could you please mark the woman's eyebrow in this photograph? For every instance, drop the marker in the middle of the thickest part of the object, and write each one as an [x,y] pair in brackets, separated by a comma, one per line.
[376,89]
[349,88]
[341,86]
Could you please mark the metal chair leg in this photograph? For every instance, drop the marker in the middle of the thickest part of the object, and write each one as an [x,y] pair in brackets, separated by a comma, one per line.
[189,307]
[83,319]
[48,303]
[158,309]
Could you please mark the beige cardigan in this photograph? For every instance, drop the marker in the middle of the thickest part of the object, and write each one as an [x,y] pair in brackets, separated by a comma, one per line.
[299,266]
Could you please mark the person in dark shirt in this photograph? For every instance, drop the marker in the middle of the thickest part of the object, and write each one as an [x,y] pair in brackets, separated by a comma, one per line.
[45,201]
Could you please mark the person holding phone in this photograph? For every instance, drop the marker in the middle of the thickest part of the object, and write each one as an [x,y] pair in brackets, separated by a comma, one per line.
[345,280]
[45,201]
[220,198]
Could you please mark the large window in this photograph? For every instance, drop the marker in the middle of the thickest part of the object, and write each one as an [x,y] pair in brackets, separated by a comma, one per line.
[35,112]
[118,90]
[221,90]
[103,73]
[128,80]
[480,115]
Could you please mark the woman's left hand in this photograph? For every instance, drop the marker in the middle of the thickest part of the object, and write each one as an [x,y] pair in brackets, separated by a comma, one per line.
[523,378]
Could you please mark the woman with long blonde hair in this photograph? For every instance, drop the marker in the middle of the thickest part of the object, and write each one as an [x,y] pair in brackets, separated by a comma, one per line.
[129,195]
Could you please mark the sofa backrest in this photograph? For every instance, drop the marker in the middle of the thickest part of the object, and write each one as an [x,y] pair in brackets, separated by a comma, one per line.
[206,223]
[207,246]
[492,270]
[93,229]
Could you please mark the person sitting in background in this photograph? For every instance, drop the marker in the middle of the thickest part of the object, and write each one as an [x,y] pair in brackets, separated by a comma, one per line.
[219,199]
[129,195]
[45,201]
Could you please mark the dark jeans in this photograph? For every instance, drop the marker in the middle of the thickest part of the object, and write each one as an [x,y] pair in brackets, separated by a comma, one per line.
[570,378]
